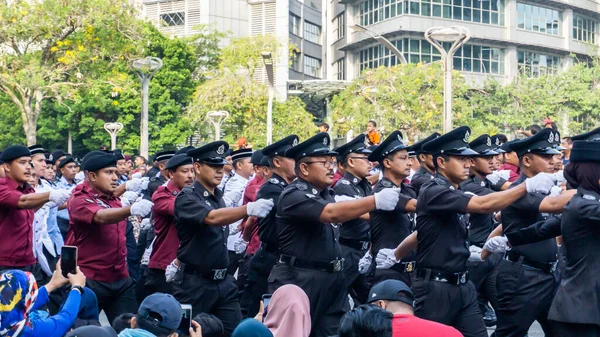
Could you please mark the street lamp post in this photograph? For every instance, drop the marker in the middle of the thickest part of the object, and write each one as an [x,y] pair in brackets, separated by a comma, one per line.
[381,40]
[145,68]
[113,129]
[457,36]
[217,118]
[268,61]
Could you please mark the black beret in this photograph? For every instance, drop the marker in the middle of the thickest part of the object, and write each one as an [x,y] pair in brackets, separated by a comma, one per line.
[281,146]
[540,143]
[585,151]
[178,160]
[241,153]
[97,160]
[417,147]
[455,142]
[317,145]
[56,154]
[13,152]
[118,153]
[164,155]
[184,150]
[36,149]
[356,145]
[393,143]
[483,146]
[592,135]
[65,161]
[212,153]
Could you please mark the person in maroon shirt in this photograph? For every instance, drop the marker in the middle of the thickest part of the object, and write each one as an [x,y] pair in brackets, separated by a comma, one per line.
[339,173]
[18,203]
[511,161]
[97,227]
[180,169]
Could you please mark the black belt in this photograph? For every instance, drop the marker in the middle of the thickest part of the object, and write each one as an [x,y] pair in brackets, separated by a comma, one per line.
[268,248]
[451,278]
[356,244]
[334,266]
[546,267]
[405,267]
[215,274]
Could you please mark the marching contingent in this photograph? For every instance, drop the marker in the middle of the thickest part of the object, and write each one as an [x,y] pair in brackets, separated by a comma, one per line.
[449,236]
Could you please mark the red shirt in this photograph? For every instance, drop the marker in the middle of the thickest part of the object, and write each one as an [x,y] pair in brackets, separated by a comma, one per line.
[164,249]
[515,172]
[336,176]
[16,226]
[102,253]
[250,196]
[413,326]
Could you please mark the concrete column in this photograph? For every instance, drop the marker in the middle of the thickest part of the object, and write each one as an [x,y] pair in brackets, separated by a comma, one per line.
[511,19]
[511,70]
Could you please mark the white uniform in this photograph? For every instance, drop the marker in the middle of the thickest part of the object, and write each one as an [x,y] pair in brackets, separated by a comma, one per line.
[233,197]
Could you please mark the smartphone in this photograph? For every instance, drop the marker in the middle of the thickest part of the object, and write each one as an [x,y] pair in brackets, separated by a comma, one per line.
[266,298]
[68,260]
[186,319]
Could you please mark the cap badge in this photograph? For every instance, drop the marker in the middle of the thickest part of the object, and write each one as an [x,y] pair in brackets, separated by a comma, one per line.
[497,142]
[221,149]
[556,137]
[295,142]
[399,138]
[489,142]
[551,138]
[467,135]
[325,141]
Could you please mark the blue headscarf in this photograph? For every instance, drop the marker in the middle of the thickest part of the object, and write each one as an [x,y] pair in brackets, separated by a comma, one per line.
[251,328]
[18,292]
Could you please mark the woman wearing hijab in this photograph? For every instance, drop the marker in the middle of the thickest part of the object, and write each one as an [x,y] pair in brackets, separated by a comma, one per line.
[289,312]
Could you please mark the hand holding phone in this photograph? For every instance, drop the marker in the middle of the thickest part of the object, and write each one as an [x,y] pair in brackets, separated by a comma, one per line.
[186,319]
[68,260]
[266,298]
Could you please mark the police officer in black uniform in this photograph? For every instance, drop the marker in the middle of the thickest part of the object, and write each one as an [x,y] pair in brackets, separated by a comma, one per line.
[355,235]
[266,256]
[442,288]
[390,228]
[427,170]
[525,282]
[201,221]
[308,220]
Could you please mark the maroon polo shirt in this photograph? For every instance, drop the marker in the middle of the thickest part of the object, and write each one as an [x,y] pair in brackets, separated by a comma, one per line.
[250,196]
[164,249]
[102,253]
[16,226]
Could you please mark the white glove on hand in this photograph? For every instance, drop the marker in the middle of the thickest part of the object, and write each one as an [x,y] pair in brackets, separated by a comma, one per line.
[541,183]
[239,246]
[80,176]
[504,174]
[171,270]
[497,244]
[260,208]
[136,175]
[494,178]
[145,224]
[141,208]
[386,259]
[137,185]
[555,190]
[387,199]
[560,177]
[340,198]
[364,264]
[128,198]
[59,197]
[475,254]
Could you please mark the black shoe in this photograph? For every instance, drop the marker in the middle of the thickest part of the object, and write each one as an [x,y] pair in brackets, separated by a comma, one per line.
[489,318]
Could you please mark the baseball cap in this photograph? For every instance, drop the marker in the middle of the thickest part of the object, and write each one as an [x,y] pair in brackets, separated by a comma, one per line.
[391,290]
[165,306]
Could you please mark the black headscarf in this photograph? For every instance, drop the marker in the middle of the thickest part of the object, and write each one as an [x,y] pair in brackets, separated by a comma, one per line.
[583,174]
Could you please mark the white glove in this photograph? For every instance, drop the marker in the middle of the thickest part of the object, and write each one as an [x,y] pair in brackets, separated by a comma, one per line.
[260,208]
[137,185]
[364,264]
[387,199]
[560,177]
[340,198]
[171,270]
[504,174]
[239,246]
[475,254]
[541,183]
[145,224]
[141,208]
[555,190]
[59,197]
[128,198]
[386,259]
[136,175]
[80,176]
[497,244]
[494,178]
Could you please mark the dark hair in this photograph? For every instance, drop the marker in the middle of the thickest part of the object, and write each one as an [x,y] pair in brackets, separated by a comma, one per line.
[122,322]
[435,158]
[211,325]
[569,140]
[534,128]
[150,324]
[326,126]
[366,321]
[502,138]
[554,127]
[372,121]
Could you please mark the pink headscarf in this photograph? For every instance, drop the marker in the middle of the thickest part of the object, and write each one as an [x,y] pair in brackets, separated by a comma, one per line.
[289,312]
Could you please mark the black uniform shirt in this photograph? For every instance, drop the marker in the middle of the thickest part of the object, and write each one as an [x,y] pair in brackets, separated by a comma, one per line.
[267,226]
[301,233]
[442,226]
[481,224]
[389,228]
[523,213]
[351,186]
[420,178]
[202,246]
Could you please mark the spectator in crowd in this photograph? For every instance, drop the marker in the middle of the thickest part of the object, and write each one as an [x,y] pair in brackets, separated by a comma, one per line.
[122,322]
[139,161]
[531,130]
[20,297]
[567,143]
[211,325]
[288,313]
[92,331]
[396,297]
[251,328]
[366,321]
[323,127]
[159,315]
[373,136]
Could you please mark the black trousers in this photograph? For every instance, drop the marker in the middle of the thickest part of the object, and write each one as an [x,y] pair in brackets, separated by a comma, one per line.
[454,305]
[133,264]
[524,295]
[327,293]
[214,297]
[156,282]
[483,274]
[355,281]
[381,275]
[575,330]
[115,298]
[234,262]
[242,276]
[257,282]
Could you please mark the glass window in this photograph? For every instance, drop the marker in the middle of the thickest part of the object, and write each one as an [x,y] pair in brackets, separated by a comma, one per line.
[534,64]
[294,24]
[312,32]
[538,19]
[339,26]
[312,66]
[172,19]
[584,29]
[296,62]
[340,69]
